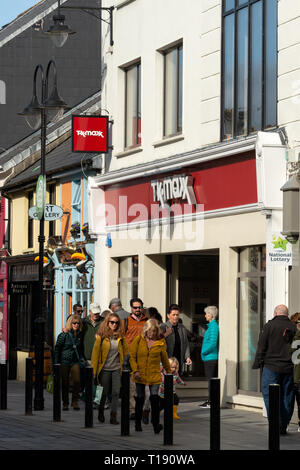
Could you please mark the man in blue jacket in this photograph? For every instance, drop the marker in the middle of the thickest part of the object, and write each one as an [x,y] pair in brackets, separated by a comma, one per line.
[210,346]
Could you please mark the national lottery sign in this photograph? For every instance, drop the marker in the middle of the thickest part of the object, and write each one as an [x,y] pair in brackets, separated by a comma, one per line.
[89,133]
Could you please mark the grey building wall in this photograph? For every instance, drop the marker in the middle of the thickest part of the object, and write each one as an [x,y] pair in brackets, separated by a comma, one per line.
[78,66]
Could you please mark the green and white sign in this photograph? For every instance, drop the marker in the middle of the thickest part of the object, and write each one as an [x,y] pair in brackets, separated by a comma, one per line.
[279,250]
[40,196]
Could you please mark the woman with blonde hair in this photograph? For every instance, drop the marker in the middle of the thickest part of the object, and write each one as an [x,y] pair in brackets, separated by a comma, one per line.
[147,351]
[69,353]
[108,354]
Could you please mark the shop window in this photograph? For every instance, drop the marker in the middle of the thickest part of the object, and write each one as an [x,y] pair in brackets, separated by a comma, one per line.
[251,314]
[128,279]
[133,106]
[249,58]
[76,201]
[173,91]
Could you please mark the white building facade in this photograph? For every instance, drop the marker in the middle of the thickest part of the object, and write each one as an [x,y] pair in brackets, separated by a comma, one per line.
[203,108]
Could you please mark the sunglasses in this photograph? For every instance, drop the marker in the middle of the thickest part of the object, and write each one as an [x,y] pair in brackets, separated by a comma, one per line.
[136,308]
[114,322]
[75,323]
[79,311]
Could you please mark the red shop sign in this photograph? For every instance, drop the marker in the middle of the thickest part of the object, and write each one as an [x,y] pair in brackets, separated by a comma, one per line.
[89,133]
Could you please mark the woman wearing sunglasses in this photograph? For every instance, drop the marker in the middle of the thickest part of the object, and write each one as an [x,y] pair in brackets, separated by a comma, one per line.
[69,353]
[108,354]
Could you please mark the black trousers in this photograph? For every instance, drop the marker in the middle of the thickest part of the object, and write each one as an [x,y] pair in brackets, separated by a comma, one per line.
[162,401]
[210,369]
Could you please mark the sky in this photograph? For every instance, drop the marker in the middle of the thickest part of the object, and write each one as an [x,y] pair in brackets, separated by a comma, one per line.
[10,9]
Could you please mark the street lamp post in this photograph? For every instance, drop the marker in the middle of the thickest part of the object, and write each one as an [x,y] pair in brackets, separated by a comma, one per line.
[59,32]
[36,116]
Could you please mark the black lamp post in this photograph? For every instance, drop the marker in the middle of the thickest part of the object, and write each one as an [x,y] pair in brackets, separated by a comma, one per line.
[36,116]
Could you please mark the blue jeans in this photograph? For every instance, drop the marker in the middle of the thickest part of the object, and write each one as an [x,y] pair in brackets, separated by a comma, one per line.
[287,393]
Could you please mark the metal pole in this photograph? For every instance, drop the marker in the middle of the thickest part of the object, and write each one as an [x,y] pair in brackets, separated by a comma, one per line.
[28,386]
[40,321]
[56,392]
[3,386]
[125,427]
[274,417]
[89,397]
[214,396]
[168,410]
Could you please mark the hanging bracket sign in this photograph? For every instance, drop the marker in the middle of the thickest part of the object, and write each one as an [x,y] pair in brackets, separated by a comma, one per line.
[52,212]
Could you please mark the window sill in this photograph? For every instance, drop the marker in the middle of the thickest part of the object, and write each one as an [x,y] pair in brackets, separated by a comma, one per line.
[168,140]
[128,152]
[28,250]
[123,3]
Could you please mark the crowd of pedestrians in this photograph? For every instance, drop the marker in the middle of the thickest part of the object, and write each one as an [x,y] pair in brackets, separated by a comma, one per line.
[113,339]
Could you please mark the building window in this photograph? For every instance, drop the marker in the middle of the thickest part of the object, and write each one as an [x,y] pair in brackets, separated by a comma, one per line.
[133,106]
[76,201]
[249,56]
[30,221]
[252,313]
[173,91]
[52,200]
[128,279]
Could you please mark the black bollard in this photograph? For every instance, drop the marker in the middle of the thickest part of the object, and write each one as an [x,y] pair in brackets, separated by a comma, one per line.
[125,427]
[56,392]
[89,397]
[274,417]
[214,397]
[3,386]
[28,386]
[168,410]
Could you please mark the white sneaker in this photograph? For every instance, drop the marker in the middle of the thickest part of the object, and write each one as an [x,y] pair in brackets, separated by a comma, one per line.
[205,404]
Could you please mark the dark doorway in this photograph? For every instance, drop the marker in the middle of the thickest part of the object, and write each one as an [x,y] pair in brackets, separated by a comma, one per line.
[198,276]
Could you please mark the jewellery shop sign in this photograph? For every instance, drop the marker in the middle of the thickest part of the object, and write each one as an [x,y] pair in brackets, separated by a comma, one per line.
[279,250]
[51,212]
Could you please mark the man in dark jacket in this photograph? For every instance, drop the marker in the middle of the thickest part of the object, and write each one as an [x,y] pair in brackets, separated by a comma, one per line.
[274,356]
[177,340]
[89,330]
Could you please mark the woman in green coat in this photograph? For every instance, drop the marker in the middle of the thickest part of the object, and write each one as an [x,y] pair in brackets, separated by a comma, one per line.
[69,353]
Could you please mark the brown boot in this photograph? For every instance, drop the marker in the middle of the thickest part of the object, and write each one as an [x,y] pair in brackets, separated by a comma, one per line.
[113,418]
[75,406]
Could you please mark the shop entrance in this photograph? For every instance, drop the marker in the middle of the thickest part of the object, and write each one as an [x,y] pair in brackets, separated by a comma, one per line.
[198,287]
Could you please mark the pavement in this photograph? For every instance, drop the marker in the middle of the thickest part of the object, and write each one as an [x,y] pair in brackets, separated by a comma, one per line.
[240,430]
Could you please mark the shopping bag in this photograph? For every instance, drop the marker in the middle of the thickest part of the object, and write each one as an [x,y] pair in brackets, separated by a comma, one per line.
[98,394]
[49,385]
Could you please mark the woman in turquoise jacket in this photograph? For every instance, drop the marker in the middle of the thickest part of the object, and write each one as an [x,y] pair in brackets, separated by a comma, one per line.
[210,346]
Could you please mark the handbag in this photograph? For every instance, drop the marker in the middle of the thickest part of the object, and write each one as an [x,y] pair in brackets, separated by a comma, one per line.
[98,394]
[49,384]
[81,360]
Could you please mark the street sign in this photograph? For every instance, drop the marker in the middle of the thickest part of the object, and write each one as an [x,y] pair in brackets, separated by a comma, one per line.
[40,196]
[52,212]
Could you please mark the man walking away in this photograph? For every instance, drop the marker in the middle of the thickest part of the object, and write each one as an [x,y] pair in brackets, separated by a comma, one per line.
[274,356]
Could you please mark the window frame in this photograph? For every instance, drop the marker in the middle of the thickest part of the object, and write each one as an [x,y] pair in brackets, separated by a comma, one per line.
[30,224]
[246,5]
[261,275]
[136,65]
[177,47]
